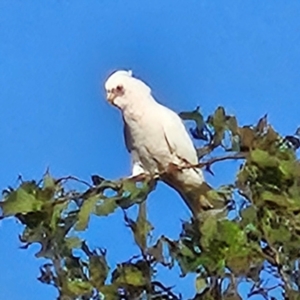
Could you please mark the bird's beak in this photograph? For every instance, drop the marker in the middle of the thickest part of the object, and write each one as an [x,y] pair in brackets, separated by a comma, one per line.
[110,96]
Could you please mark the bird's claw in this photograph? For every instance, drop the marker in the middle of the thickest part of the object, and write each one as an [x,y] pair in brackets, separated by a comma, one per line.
[139,177]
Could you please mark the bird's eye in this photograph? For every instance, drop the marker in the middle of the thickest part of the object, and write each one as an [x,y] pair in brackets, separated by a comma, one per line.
[119,88]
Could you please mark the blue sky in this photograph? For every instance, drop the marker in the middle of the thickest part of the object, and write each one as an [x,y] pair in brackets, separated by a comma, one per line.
[55,56]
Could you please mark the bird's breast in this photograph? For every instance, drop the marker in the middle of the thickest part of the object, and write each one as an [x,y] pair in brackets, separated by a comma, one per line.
[149,142]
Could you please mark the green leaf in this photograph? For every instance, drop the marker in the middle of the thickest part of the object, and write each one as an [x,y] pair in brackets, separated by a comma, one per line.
[143,227]
[232,125]
[109,291]
[281,235]
[274,199]
[200,284]
[128,274]
[98,270]
[249,215]
[208,230]
[56,212]
[194,116]
[86,209]
[262,124]
[219,119]
[73,242]
[263,158]
[21,201]
[78,288]
[219,197]
[235,143]
[106,206]
[271,136]
[247,138]
[48,181]
[135,191]
[156,251]
[231,233]
[287,168]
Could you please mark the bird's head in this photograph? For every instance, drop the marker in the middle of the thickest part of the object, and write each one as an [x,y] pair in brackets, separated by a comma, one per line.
[123,89]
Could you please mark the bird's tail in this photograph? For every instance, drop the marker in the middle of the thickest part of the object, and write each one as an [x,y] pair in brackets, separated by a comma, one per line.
[192,189]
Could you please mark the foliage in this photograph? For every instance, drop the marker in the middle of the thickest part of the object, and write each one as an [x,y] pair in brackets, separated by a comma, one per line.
[263,235]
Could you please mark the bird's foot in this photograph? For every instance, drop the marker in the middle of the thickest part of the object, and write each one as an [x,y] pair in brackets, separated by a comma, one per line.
[172,168]
[138,177]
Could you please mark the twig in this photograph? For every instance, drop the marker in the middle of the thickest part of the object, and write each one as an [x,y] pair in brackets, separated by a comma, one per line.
[213,160]
[167,290]
[75,179]
[241,155]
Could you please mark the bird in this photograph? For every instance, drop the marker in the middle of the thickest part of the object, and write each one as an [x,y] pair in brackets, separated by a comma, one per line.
[157,140]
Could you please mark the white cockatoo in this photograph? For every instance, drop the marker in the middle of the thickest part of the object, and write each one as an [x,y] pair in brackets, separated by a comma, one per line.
[156,138]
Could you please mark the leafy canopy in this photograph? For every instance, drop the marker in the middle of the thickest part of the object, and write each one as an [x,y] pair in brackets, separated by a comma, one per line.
[262,235]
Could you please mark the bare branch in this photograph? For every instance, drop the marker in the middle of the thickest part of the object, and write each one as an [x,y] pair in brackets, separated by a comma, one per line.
[63,179]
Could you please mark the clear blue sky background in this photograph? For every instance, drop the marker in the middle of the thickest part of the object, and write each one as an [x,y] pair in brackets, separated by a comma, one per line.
[54,58]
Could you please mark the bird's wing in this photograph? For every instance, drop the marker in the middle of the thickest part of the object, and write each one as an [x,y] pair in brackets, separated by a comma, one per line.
[177,137]
[127,137]
[135,160]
